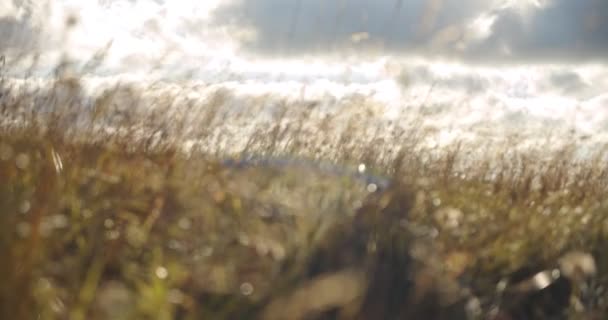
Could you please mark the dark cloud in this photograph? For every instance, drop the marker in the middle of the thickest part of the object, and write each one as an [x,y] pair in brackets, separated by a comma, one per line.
[567,82]
[319,26]
[564,30]
[16,34]
[19,33]
[468,82]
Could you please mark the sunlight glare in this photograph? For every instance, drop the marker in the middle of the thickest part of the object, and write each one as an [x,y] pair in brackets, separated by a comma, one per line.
[525,7]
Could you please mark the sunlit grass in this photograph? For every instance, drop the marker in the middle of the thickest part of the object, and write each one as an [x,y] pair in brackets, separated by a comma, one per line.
[108,213]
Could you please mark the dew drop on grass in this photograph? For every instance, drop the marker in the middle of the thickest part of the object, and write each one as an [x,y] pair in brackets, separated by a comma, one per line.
[108,223]
[246,288]
[135,236]
[436,202]
[22,161]
[25,207]
[244,240]
[113,234]
[449,217]
[175,296]
[175,245]
[372,187]
[361,168]
[87,213]
[184,223]
[59,221]
[161,272]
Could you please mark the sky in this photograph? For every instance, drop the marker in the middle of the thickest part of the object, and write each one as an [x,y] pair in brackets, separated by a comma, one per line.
[524,60]
[475,31]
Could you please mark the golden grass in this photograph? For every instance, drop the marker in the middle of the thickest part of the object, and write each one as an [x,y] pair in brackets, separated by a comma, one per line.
[127,224]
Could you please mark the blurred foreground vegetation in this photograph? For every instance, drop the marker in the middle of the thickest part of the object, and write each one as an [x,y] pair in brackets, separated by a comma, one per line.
[102,226]
[98,232]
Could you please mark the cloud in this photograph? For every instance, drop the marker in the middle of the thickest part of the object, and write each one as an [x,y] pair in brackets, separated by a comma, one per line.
[17,29]
[567,82]
[132,36]
[470,30]
[564,30]
[319,26]
[15,34]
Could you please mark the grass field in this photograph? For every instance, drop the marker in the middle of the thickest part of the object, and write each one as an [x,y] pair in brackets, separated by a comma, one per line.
[106,215]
